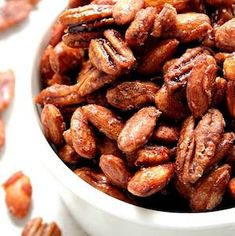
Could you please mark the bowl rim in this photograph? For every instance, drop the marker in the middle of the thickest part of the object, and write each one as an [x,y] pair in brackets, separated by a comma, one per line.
[102,201]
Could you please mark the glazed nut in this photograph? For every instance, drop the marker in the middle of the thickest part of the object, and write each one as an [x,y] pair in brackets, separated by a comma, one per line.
[231,188]
[53,124]
[138,129]
[37,227]
[230,94]
[57,32]
[229,65]
[220,91]
[149,181]
[18,191]
[68,155]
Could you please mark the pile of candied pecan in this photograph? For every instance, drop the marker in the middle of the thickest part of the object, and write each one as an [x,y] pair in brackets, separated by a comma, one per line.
[138,100]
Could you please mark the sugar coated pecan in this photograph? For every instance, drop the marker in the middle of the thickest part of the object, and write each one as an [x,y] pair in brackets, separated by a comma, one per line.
[68,155]
[138,129]
[230,97]
[220,91]
[37,227]
[229,65]
[148,181]
[18,191]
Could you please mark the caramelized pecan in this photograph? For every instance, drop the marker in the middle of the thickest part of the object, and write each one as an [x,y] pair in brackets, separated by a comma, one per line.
[57,32]
[111,55]
[220,91]
[230,97]
[77,3]
[68,155]
[231,188]
[132,95]
[229,65]
[209,191]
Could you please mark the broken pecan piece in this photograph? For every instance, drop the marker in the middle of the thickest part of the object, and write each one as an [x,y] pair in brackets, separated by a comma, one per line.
[132,95]
[209,191]
[111,55]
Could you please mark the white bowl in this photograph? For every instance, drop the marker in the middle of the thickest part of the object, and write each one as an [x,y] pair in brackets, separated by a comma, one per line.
[102,215]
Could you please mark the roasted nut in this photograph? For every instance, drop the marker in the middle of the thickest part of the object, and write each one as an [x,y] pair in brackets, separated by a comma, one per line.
[13,13]
[200,86]
[224,34]
[68,136]
[132,95]
[124,11]
[68,155]
[139,29]
[153,60]
[7,87]
[230,97]
[111,55]
[56,33]
[18,194]
[59,79]
[220,91]
[229,65]
[83,138]
[37,227]
[209,191]
[115,169]
[53,124]
[149,181]
[231,188]
[184,189]
[152,156]
[98,98]
[166,133]
[138,129]
[63,58]
[104,120]
[108,146]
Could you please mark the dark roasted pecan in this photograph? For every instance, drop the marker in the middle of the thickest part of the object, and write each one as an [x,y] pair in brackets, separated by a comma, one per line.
[37,227]
[111,55]
[53,124]
[124,11]
[104,119]
[153,60]
[59,79]
[220,91]
[152,156]
[150,180]
[230,97]
[83,138]
[184,189]
[209,191]
[138,129]
[132,95]
[177,74]
[201,83]
[98,98]
[68,155]
[229,65]
[139,29]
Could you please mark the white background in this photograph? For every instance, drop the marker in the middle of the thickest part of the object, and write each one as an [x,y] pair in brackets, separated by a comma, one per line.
[21,150]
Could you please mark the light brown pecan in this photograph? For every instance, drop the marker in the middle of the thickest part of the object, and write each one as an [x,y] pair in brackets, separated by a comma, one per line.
[57,32]
[99,181]
[104,120]
[229,65]
[149,181]
[177,74]
[156,56]
[139,29]
[124,11]
[209,191]
[60,95]
[18,194]
[172,106]
[115,169]
[230,97]
[7,88]
[231,188]
[37,227]
[53,124]
[111,55]
[13,13]
[220,91]
[201,83]
[2,134]
[152,156]
[90,79]
[83,138]
[138,129]
[165,133]
[68,155]
[132,95]
[224,34]
[63,58]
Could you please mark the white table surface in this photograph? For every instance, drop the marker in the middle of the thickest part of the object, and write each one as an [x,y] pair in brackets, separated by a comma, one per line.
[20,152]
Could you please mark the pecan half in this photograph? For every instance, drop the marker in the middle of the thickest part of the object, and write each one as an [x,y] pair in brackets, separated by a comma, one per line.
[37,227]
[111,55]
[124,11]
[68,155]
[104,120]
[149,181]
[220,91]
[18,194]
[209,191]
[138,129]
[53,124]
[57,32]
[139,29]
[229,65]
[200,86]
[154,58]
[230,97]
[83,138]
[132,95]
[152,156]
